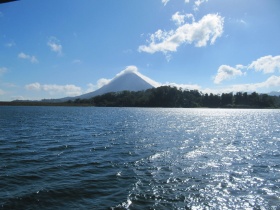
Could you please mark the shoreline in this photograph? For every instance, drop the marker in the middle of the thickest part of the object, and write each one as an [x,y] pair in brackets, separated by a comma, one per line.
[65,104]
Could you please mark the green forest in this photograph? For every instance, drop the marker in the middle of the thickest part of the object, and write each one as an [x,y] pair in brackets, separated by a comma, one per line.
[166,96]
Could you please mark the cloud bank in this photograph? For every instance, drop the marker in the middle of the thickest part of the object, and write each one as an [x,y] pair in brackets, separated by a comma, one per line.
[266,64]
[52,89]
[273,81]
[199,33]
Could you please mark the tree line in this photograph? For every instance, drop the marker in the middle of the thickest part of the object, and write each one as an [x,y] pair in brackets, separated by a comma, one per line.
[167,96]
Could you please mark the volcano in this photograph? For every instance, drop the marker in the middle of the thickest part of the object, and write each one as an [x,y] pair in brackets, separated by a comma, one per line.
[129,79]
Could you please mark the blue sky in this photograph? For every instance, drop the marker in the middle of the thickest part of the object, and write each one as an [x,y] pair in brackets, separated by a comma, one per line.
[53,49]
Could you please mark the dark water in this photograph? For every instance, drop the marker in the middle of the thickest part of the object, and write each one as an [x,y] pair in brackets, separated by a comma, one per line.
[135,158]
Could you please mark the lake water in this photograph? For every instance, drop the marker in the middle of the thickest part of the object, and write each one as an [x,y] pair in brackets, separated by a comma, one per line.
[139,158]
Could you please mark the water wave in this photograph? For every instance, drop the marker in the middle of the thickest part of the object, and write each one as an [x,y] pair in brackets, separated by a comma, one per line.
[130,158]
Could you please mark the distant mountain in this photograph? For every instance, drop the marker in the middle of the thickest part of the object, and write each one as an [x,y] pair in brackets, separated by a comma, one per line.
[274,93]
[126,80]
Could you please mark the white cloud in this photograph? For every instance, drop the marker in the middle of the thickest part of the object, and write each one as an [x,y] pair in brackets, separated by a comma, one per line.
[128,69]
[3,70]
[69,90]
[226,72]
[197,4]
[202,32]
[273,81]
[33,86]
[191,16]
[100,83]
[55,45]
[267,85]
[183,86]
[164,2]
[103,81]
[134,69]
[178,19]
[53,89]
[240,66]
[90,87]
[31,58]
[266,64]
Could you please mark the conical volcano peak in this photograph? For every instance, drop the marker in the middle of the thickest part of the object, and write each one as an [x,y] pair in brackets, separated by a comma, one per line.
[130,70]
[129,79]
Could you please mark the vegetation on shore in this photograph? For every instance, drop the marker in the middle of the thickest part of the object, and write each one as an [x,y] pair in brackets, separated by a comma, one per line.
[166,96]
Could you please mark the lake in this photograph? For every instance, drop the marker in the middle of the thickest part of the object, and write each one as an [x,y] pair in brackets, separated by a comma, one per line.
[139,158]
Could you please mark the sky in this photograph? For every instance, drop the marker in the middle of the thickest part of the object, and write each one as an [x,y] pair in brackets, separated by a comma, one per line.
[53,49]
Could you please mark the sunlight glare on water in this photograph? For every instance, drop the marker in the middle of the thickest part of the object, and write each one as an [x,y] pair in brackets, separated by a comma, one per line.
[137,158]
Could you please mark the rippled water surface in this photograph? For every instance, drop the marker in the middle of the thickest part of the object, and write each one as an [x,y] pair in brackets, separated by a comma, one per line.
[136,158]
